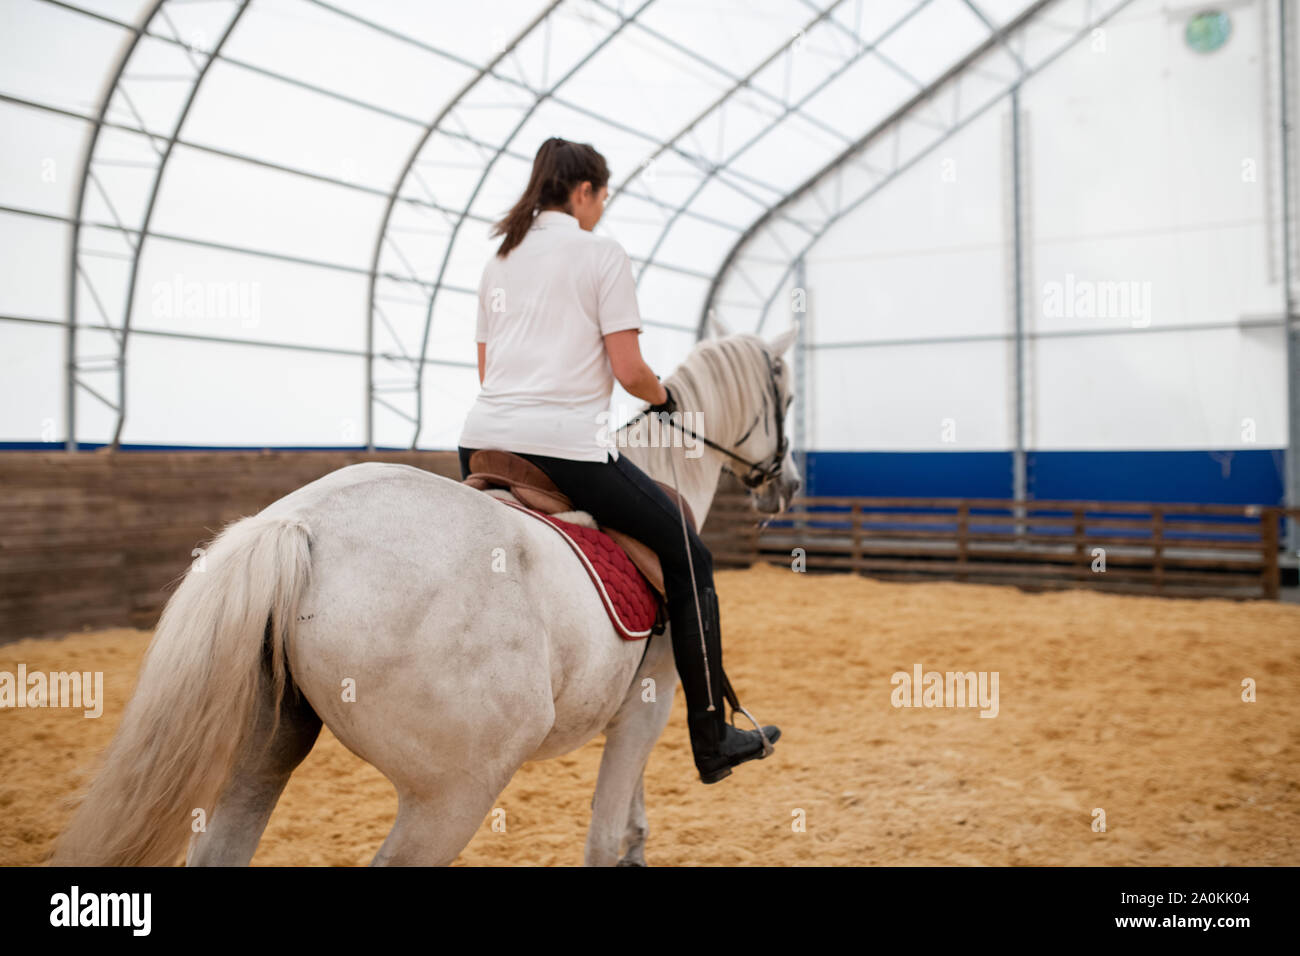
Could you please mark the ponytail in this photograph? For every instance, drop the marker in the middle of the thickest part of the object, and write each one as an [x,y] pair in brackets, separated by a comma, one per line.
[558,167]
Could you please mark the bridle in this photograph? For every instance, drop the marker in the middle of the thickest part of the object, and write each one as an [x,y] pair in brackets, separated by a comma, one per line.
[759,473]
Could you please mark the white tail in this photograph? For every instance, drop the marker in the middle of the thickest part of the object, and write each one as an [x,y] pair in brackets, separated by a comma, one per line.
[194,701]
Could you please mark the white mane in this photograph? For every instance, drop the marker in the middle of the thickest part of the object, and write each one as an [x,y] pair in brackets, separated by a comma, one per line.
[726,382]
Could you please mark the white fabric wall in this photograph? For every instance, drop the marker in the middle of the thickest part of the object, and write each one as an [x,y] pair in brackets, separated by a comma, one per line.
[1146,164]
[926,258]
[1157,165]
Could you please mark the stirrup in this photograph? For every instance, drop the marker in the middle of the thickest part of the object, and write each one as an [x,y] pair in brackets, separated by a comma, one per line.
[768,749]
[734,701]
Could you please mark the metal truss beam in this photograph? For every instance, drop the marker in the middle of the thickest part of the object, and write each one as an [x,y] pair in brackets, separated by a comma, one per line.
[369,107]
[738,84]
[888,136]
[151,204]
[83,179]
[233,340]
[381,235]
[478,186]
[859,54]
[121,330]
[727,74]
[519,84]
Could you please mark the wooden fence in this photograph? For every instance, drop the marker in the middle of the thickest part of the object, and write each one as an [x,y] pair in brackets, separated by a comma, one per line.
[1164,549]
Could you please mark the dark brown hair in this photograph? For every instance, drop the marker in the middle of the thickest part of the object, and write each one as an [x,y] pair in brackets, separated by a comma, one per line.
[558,167]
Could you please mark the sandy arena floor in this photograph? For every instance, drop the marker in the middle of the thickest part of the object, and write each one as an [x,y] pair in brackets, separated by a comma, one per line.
[1132,705]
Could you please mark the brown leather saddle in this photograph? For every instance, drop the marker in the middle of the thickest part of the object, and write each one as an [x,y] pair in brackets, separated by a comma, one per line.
[494,468]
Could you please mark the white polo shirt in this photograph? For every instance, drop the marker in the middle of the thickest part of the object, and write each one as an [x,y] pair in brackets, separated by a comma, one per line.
[542,312]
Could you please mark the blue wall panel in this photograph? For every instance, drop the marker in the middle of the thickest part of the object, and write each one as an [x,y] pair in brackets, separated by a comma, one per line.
[922,474]
[1253,476]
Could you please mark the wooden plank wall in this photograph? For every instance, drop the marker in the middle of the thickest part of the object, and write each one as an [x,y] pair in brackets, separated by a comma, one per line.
[97,539]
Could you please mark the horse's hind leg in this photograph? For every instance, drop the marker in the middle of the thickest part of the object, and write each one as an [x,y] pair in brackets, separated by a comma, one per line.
[628,743]
[629,738]
[433,827]
[234,827]
[638,828]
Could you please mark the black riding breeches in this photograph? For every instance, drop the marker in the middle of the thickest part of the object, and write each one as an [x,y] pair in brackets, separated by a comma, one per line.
[621,496]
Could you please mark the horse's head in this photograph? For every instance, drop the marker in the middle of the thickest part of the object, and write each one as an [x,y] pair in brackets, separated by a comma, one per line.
[764,388]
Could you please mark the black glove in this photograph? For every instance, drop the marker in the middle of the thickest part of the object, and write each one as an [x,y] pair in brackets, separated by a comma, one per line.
[668,405]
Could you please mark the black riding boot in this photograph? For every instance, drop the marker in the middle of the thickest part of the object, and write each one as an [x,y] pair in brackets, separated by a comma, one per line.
[717,745]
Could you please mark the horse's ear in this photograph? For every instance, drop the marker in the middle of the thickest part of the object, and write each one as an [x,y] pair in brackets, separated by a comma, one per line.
[781,344]
[716,329]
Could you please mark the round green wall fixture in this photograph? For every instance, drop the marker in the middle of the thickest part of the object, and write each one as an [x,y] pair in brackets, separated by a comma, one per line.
[1208,31]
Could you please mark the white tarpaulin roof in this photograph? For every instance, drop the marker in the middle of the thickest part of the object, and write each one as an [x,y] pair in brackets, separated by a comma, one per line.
[266,219]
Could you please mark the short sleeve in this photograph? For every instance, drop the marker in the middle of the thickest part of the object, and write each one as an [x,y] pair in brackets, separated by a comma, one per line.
[480,326]
[484,293]
[616,291]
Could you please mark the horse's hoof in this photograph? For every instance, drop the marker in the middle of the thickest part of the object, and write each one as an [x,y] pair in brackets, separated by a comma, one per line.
[627,862]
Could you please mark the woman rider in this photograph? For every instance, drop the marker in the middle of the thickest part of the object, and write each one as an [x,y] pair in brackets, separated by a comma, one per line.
[557,322]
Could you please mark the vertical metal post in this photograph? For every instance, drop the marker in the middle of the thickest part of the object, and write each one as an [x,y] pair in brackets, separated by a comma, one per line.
[70,353]
[370,373]
[1289,326]
[1019,483]
[800,429]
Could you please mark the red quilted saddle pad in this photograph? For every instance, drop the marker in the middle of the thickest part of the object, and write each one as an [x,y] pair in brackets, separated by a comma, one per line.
[633,605]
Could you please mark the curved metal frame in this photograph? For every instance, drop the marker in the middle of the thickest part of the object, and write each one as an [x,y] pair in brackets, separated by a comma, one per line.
[469,203]
[1001,38]
[738,84]
[138,31]
[862,51]
[122,331]
[382,233]
[70,366]
[152,202]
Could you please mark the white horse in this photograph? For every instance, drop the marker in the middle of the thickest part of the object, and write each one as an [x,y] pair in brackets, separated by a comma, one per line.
[368,600]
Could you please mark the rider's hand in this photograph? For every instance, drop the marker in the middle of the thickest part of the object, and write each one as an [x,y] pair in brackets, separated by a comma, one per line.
[669,404]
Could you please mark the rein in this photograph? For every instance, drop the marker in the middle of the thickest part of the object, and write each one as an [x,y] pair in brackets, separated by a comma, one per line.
[758,473]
